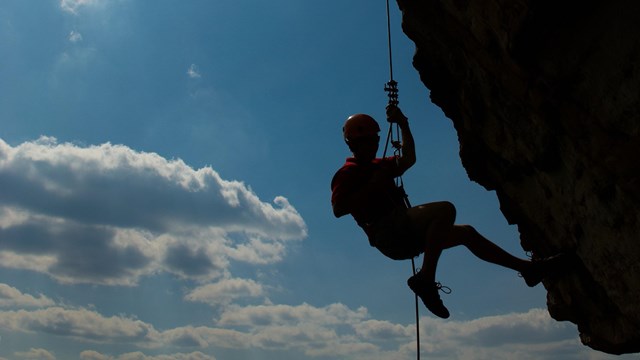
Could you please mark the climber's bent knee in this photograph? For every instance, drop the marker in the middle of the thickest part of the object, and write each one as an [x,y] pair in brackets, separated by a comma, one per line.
[441,212]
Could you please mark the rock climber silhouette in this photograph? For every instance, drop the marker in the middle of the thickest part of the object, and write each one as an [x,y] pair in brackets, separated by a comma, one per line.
[365,188]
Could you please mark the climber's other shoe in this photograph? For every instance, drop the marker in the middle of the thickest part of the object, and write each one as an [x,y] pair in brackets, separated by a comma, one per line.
[428,293]
[539,270]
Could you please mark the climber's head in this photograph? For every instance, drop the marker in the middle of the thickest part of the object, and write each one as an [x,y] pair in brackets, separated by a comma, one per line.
[361,134]
[359,125]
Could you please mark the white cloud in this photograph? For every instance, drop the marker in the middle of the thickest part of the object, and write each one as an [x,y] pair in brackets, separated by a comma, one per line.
[530,335]
[94,355]
[203,337]
[277,315]
[75,36]
[35,354]
[383,330]
[12,297]
[334,331]
[72,6]
[193,72]
[107,214]
[225,291]
[337,331]
[80,324]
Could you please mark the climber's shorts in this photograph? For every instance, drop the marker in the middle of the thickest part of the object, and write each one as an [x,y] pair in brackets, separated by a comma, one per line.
[396,236]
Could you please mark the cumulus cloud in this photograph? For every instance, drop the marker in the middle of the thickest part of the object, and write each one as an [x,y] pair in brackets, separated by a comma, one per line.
[383,330]
[80,324]
[12,297]
[530,335]
[35,354]
[193,72]
[334,331]
[225,291]
[282,315]
[337,331]
[94,355]
[107,214]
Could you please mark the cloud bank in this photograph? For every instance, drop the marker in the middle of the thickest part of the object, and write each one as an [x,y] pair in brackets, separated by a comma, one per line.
[108,214]
[333,331]
[12,297]
[94,355]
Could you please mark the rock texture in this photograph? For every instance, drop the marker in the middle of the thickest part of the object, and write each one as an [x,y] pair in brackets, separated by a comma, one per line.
[545,96]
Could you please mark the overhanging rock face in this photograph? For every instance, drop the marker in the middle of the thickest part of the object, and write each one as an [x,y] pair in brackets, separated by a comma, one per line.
[545,97]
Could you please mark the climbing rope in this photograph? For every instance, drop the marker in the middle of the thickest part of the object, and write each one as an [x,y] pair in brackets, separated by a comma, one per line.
[391,87]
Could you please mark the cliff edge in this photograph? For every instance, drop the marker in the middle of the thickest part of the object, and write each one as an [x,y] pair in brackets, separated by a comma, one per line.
[545,98]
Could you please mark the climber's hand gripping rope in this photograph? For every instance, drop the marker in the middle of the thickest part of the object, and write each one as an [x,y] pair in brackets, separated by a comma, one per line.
[395,115]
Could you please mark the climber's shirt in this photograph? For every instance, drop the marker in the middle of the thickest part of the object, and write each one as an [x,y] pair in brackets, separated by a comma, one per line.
[382,215]
[353,175]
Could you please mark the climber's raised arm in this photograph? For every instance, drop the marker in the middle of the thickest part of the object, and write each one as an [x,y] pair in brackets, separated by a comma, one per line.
[408,157]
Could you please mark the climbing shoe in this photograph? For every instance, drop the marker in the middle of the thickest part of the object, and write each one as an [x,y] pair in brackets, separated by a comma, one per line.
[539,270]
[428,293]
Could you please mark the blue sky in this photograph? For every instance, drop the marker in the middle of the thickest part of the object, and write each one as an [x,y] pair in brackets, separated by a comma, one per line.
[165,172]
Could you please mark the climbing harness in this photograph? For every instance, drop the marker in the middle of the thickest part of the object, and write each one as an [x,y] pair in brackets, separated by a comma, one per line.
[393,137]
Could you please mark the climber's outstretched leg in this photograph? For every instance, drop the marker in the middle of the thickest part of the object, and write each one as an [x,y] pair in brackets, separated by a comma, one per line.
[532,271]
[483,248]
